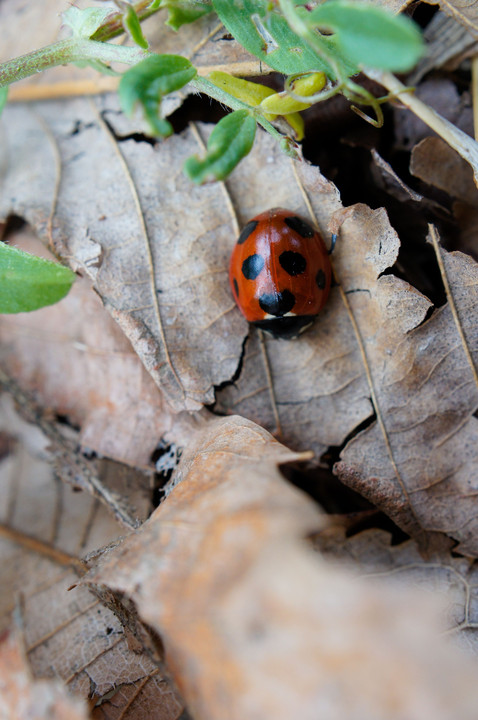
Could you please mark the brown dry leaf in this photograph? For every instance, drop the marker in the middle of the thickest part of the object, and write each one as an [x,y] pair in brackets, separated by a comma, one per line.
[448,43]
[22,698]
[434,162]
[77,362]
[322,375]
[155,246]
[394,6]
[45,528]
[320,383]
[453,578]
[424,386]
[465,12]
[387,178]
[254,624]
[441,95]
[420,466]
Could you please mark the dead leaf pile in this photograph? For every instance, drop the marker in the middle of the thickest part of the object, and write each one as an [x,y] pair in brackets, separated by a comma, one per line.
[238,597]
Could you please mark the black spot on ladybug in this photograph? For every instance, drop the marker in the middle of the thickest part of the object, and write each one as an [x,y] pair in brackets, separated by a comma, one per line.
[293,262]
[320,279]
[246,231]
[278,303]
[252,266]
[236,288]
[300,226]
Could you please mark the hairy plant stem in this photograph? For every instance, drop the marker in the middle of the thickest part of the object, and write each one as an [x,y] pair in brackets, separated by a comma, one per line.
[66,51]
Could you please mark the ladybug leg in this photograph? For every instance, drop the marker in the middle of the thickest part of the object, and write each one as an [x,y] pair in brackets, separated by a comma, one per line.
[333,241]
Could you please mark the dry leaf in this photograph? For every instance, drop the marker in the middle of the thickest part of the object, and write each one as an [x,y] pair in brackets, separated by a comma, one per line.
[448,576]
[441,95]
[420,466]
[254,624]
[77,362]
[386,176]
[447,44]
[68,635]
[22,698]
[165,282]
[464,11]
[319,383]
[434,162]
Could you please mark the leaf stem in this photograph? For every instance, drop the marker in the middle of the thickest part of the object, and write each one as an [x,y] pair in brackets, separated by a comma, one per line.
[66,51]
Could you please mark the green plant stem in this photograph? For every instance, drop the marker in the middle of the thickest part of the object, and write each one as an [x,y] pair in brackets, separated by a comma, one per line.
[206,86]
[66,51]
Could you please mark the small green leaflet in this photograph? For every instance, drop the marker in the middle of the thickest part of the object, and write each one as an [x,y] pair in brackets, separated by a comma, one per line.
[84,23]
[369,35]
[230,141]
[181,12]
[28,282]
[148,81]
[132,26]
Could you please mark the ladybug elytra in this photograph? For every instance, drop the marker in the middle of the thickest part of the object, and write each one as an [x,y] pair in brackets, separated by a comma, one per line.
[280,273]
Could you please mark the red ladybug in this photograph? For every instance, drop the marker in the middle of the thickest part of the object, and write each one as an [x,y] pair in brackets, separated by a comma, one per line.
[280,272]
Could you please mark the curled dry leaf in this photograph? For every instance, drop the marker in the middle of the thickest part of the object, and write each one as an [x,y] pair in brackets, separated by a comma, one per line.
[386,177]
[434,162]
[22,697]
[254,624]
[67,635]
[448,576]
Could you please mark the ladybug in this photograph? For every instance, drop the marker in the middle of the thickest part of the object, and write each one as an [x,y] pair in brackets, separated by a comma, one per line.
[280,273]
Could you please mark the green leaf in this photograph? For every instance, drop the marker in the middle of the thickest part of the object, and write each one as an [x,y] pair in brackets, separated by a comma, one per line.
[267,35]
[182,12]
[84,23]
[132,26]
[148,81]
[28,282]
[229,142]
[3,98]
[369,35]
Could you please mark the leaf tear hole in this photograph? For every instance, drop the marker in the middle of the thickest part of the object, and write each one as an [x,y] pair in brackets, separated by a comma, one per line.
[12,225]
[197,108]
[165,457]
[232,380]
[325,489]
[135,136]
